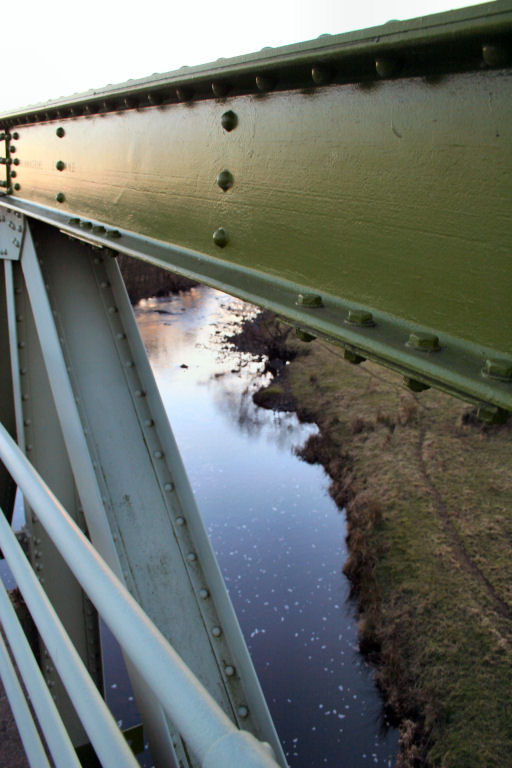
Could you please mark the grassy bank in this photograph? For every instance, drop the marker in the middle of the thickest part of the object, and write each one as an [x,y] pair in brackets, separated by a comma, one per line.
[428,494]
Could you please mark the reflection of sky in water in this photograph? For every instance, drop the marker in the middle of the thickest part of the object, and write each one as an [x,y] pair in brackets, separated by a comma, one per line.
[279,537]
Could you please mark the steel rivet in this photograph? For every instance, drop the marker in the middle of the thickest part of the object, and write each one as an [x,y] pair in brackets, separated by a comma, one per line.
[309,300]
[12,149]
[304,335]
[86,225]
[321,74]
[225,180]
[216,631]
[158,454]
[219,89]
[17,187]
[148,422]
[129,364]
[229,670]
[414,385]
[113,234]
[15,136]
[139,393]
[168,487]
[491,414]
[191,557]
[498,369]
[243,712]
[60,132]
[60,197]
[16,161]
[385,67]
[98,229]
[229,120]
[360,317]
[494,55]
[121,336]
[265,83]
[425,342]
[221,237]
[60,165]
[112,310]
[204,593]
[184,94]
[13,174]
[352,357]
[21,344]
[180,521]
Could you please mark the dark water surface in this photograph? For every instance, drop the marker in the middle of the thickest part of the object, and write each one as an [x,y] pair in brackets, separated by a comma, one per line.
[279,537]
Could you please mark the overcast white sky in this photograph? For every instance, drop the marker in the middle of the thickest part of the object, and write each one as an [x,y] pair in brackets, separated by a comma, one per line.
[52,49]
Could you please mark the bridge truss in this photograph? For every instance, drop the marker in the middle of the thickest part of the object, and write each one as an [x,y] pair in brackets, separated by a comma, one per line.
[357,185]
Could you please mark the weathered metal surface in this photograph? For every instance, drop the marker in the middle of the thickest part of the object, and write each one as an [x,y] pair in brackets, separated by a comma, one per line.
[371,168]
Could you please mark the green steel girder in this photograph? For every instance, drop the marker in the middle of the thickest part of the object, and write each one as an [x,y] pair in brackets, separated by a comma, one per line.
[371,170]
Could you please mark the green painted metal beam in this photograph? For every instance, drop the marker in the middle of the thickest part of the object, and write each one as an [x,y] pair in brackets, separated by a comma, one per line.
[370,169]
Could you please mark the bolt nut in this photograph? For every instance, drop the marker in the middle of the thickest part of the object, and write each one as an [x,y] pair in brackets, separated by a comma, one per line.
[310,300]
[225,180]
[498,369]
[229,120]
[360,318]
[221,237]
[424,342]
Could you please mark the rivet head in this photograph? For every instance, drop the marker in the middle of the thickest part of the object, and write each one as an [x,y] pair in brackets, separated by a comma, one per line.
[168,487]
[321,74]
[98,230]
[498,369]
[304,335]
[265,83]
[243,711]
[309,300]
[353,357]
[60,197]
[12,149]
[113,234]
[491,414]
[225,180]
[148,422]
[85,225]
[184,94]
[158,455]
[180,521]
[221,237]
[16,161]
[15,136]
[60,165]
[229,670]
[425,342]
[18,187]
[216,631]
[191,557]
[385,67]
[60,132]
[414,385]
[495,55]
[360,317]
[220,89]
[74,222]
[112,310]
[229,120]
[204,593]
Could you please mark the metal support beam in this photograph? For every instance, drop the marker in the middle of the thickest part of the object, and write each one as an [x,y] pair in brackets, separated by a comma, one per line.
[136,499]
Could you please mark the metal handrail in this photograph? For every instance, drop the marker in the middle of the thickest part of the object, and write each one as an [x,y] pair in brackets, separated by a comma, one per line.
[210,734]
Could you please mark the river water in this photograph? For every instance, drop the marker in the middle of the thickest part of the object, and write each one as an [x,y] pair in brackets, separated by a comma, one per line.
[278,536]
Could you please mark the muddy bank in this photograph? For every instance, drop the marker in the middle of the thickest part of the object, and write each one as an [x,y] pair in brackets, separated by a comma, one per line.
[427,491]
[143,280]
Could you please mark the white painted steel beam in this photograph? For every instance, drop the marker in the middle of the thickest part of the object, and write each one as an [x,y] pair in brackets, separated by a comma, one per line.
[206,728]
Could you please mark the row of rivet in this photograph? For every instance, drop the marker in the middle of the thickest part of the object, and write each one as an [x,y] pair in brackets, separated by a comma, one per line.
[320,74]
[498,369]
[184,541]
[225,179]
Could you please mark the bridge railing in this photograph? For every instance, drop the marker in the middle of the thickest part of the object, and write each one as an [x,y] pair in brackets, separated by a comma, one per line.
[208,731]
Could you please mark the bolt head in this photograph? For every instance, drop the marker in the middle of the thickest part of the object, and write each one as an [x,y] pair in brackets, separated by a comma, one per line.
[424,342]
[360,317]
[310,300]
[385,67]
[221,237]
[498,369]
[265,83]
[321,74]
[220,89]
[225,180]
[229,120]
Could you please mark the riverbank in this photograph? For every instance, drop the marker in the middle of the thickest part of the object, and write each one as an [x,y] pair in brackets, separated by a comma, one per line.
[428,497]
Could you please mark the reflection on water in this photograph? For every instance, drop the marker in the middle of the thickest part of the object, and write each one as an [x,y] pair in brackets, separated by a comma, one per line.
[279,538]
